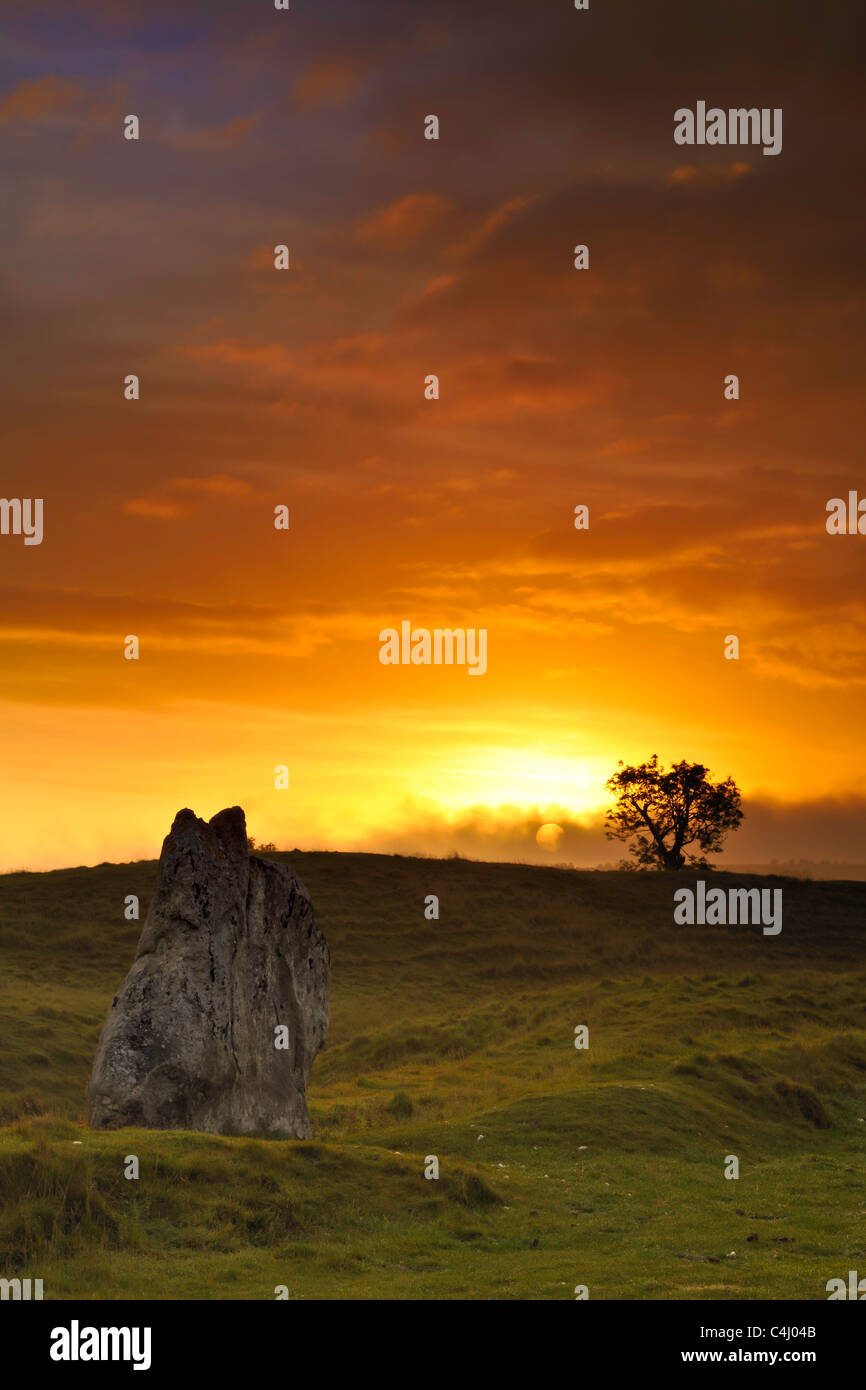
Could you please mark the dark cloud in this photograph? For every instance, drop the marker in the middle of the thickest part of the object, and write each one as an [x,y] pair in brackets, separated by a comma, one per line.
[817,830]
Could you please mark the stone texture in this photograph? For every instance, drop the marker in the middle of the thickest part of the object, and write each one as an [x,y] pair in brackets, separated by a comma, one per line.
[229,950]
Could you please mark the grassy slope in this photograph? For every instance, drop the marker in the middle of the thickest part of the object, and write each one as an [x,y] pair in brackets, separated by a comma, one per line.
[602,1168]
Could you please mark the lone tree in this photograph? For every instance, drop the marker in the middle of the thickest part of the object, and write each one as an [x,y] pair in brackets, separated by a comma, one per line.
[663,812]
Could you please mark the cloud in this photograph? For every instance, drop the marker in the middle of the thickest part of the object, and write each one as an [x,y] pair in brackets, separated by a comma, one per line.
[217,485]
[226,627]
[438,285]
[164,508]
[223,137]
[821,829]
[404,221]
[708,175]
[157,508]
[44,99]
[230,352]
[491,224]
[328,82]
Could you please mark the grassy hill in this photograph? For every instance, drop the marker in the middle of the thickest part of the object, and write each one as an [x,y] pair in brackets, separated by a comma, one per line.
[558,1167]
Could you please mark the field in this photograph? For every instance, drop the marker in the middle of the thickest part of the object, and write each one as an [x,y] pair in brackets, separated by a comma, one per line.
[558,1167]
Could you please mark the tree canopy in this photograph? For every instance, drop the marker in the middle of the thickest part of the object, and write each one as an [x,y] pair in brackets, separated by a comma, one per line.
[663,813]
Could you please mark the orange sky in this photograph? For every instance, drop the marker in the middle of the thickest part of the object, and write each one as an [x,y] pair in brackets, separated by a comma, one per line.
[306,387]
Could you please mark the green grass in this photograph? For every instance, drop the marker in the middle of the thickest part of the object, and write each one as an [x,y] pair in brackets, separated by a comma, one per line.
[602,1167]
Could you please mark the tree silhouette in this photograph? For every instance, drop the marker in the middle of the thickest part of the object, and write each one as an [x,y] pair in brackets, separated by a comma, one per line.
[664,812]
[269,848]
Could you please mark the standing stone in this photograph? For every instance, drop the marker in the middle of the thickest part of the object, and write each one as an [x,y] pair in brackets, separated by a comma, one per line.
[229,951]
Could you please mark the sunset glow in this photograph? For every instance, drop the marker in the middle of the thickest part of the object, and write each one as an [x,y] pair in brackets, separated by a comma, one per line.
[305,388]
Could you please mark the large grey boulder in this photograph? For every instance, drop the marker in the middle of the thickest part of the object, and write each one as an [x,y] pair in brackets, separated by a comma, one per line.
[229,952]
